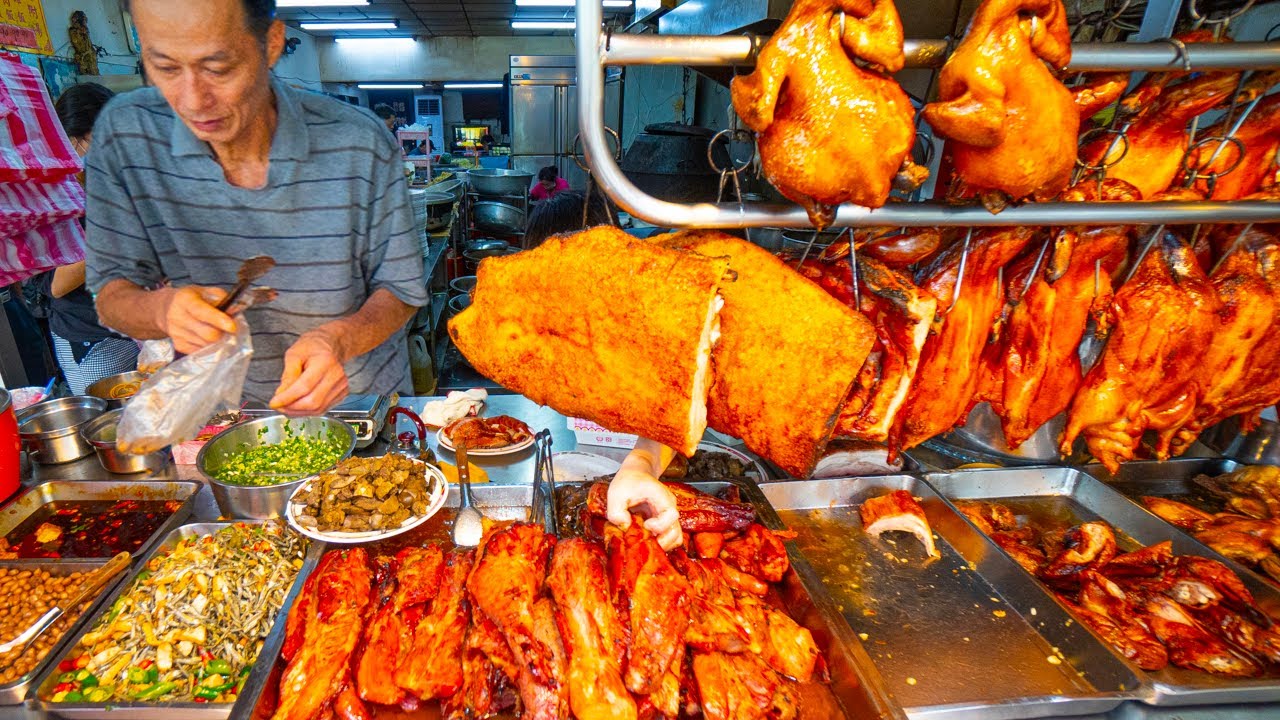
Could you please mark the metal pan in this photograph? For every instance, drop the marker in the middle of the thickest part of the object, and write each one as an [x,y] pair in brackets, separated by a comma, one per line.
[16,512]
[15,692]
[168,711]
[1072,496]
[936,630]
[855,687]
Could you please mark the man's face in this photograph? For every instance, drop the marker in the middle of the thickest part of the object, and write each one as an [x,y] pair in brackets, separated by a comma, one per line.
[208,64]
[391,123]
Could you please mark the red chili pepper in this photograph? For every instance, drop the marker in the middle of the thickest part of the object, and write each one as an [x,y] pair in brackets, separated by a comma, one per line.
[146,664]
[64,687]
[200,700]
[67,666]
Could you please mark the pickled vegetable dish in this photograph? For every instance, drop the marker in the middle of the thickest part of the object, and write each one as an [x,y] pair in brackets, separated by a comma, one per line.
[295,457]
[87,528]
[192,624]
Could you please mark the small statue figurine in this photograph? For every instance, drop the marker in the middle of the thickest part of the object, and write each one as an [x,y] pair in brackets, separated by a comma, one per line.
[86,55]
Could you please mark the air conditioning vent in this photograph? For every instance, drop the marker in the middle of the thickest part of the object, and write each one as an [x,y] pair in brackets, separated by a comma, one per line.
[428,106]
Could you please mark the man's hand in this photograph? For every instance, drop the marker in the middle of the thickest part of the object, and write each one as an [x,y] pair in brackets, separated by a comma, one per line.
[189,318]
[642,492]
[313,379]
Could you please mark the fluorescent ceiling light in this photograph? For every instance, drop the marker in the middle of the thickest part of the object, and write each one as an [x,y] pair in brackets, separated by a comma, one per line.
[472,86]
[385,25]
[389,86]
[373,43]
[320,3]
[542,24]
[569,3]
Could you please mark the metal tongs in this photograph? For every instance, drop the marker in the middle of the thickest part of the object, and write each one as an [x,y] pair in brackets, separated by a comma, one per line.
[544,485]
[252,269]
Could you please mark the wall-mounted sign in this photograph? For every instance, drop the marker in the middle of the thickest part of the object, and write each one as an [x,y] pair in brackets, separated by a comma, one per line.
[22,26]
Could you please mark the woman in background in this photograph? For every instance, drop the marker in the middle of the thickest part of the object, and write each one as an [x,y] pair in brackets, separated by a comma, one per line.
[563,214]
[549,184]
[86,351]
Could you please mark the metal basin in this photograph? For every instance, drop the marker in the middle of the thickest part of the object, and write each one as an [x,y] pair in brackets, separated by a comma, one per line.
[117,389]
[463,285]
[497,217]
[453,187]
[496,181]
[262,502]
[101,434]
[50,430]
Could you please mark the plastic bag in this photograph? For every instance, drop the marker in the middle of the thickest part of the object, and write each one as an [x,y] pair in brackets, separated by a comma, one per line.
[154,355]
[175,403]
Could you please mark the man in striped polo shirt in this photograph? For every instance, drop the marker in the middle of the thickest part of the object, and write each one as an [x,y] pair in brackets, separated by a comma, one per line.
[220,162]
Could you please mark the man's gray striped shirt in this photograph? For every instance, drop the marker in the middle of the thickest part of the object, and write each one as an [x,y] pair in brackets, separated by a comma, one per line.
[335,214]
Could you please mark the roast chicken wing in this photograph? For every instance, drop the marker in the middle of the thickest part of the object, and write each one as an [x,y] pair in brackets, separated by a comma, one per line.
[1157,138]
[1040,363]
[1086,546]
[1167,315]
[341,592]
[833,125]
[433,667]
[1130,636]
[1009,122]
[505,585]
[1190,645]
[947,377]
[594,637]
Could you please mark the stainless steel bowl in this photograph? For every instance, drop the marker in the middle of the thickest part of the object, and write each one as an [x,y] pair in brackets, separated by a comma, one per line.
[497,217]
[50,430]
[101,434]
[458,303]
[262,502]
[496,181]
[453,187]
[117,389]
[463,285]
[486,246]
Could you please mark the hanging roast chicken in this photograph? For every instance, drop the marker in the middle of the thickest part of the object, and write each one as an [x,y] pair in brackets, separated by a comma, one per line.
[1010,124]
[833,126]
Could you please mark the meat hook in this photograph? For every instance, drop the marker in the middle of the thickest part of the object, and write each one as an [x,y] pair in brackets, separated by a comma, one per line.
[1035,270]
[853,269]
[1221,23]
[1143,255]
[1234,246]
[964,262]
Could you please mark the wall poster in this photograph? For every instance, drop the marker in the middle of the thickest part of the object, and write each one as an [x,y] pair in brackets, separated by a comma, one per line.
[23,27]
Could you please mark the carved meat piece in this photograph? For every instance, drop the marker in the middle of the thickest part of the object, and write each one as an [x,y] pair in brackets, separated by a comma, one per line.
[341,593]
[1086,546]
[390,634]
[899,511]
[699,512]
[595,639]
[654,599]
[1190,646]
[433,667]
[758,552]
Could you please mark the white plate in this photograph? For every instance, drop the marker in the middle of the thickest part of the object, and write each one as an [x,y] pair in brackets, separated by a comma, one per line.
[483,452]
[576,467]
[439,493]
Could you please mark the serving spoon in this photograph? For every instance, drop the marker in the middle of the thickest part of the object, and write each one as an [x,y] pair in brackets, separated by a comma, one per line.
[468,526]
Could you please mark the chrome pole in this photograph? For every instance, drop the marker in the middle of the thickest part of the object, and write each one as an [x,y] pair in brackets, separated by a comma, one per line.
[708,51]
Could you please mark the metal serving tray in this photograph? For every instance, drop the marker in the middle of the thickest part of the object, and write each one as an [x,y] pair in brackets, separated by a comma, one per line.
[16,512]
[856,690]
[15,692]
[167,711]
[1073,497]
[964,636]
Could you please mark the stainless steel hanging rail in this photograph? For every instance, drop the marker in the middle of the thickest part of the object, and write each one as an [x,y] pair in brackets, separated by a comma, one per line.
[719,50]
[595,50]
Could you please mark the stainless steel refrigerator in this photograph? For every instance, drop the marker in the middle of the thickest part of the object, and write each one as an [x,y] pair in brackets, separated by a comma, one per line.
[544,114]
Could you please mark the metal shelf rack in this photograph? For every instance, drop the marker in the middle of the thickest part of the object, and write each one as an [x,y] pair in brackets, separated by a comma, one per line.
[596,50]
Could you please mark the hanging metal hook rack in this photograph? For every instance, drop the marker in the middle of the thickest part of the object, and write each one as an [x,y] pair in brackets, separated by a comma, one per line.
[596,49]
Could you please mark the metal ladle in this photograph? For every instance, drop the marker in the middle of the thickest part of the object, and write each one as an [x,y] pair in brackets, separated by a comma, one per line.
[468,526]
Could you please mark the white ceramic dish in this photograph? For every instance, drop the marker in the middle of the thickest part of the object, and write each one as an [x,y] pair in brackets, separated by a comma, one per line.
[439,493]
[577,467]
[445,443]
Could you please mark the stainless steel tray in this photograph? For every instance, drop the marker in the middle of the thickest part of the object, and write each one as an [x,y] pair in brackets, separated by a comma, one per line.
[15,692]
[964,636]
[1073,496]
[855,685]
[167,711]
[16,512]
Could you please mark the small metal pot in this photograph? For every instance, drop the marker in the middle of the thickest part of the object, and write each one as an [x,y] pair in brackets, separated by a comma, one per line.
[50,430]
[253,501]
[497,217]
[486,246]
[101,434]
[496,181]
[458,303]
[117,389]
[463,285]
